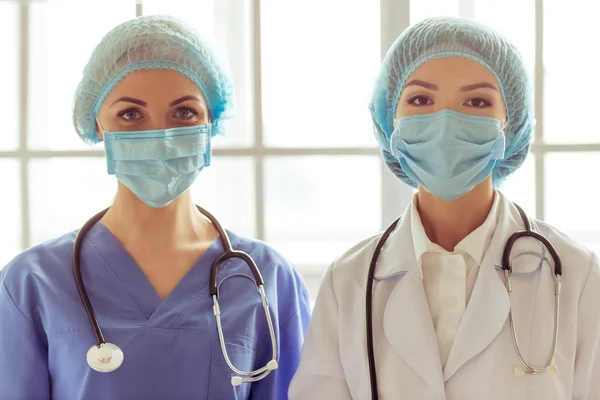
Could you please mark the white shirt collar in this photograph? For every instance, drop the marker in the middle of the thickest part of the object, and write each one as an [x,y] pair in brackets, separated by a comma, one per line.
[475,244]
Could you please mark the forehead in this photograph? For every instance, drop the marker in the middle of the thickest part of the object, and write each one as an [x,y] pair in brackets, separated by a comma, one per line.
[154,84]
[452,70]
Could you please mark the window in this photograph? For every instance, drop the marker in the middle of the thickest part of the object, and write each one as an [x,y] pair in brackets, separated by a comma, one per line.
[9,76]
[10,203]
[10,210]
[57,52]
[300,167]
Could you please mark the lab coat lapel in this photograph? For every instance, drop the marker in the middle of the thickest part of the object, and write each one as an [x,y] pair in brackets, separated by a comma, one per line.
[488,308]
[407,321]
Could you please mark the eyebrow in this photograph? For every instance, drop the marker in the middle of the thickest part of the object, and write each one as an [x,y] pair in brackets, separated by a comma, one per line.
[468,88]
[426,85]
[182,99]
[480,85]
[131,100]
[144,104]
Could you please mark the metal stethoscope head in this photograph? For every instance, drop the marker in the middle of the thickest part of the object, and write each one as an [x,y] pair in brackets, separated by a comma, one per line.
[103,356]
[108,357]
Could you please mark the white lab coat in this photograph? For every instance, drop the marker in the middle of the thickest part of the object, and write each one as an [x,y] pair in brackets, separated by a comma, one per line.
[333,364]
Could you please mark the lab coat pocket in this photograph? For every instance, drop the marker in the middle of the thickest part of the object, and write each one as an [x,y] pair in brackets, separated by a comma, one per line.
[241,355]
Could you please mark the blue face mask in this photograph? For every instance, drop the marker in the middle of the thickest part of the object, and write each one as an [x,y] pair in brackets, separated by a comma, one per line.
[447,153]
[158,165]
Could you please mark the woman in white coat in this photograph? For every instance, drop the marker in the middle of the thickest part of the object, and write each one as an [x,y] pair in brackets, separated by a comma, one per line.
[452,110]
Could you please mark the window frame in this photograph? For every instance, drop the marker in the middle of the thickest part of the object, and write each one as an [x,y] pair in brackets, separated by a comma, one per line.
[395,196]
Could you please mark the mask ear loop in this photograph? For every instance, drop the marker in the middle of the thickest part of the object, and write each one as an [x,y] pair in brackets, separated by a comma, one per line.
[99,129]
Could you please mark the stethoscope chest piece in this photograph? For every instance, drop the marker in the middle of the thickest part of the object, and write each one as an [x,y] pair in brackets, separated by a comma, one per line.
[106,357]
[520,371]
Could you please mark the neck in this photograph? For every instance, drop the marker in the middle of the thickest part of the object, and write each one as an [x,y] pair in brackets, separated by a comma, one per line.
[180,225]
[448,222]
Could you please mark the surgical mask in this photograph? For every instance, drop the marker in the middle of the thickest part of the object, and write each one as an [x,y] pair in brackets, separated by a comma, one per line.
[447,153]
[158,165]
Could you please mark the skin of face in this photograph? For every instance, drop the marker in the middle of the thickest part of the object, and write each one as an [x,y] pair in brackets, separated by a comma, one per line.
[465,86]
[152,99]
[452,83]
[148,100]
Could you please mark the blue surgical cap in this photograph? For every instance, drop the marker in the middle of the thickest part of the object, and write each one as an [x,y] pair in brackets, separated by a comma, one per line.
[456,37]
[152,42]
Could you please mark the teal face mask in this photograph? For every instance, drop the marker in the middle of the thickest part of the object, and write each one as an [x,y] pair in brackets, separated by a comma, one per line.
[158,165]
[447,153]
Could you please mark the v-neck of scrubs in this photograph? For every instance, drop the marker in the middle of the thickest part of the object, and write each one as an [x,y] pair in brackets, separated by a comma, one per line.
[158,312]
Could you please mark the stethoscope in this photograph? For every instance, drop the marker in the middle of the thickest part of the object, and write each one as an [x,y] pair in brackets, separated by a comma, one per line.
[525,367]
[107,357]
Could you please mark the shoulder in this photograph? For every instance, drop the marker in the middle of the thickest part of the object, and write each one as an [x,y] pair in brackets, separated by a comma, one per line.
[560,237]
[347,273]
[354,261]
[569,250]
[277,271]
[579,263]
[269,260]
[258,249]
[37,267]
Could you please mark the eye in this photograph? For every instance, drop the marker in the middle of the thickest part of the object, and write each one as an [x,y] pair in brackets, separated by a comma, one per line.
[478,103]
[420,101]
[185,113]
[131,114]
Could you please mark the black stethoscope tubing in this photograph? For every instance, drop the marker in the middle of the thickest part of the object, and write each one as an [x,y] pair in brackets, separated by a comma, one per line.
[229,253]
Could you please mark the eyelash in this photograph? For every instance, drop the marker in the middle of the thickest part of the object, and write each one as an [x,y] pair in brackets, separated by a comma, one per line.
[129,110]
[135,110]
[190,110]
[412,100]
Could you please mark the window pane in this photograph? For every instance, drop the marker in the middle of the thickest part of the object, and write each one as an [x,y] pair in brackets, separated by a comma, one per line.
[62,39]
[571,199]
[569,29]
[520,186]
[10,211]
[66,192]
[319,206]
[9,75]
[227,190]
[420,10]
[88,189]
[198,13]
[226,23]
[519,27]
[319,59]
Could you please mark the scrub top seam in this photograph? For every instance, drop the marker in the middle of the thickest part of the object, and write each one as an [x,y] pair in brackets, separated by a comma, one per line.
[14,303]
[304,296]
[141,313]
[593,261]
[283,326]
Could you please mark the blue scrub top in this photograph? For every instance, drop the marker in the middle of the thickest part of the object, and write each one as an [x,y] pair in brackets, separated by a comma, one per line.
[171,346]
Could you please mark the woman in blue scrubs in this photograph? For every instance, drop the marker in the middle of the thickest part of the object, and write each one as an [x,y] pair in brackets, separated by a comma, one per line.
[156,93]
